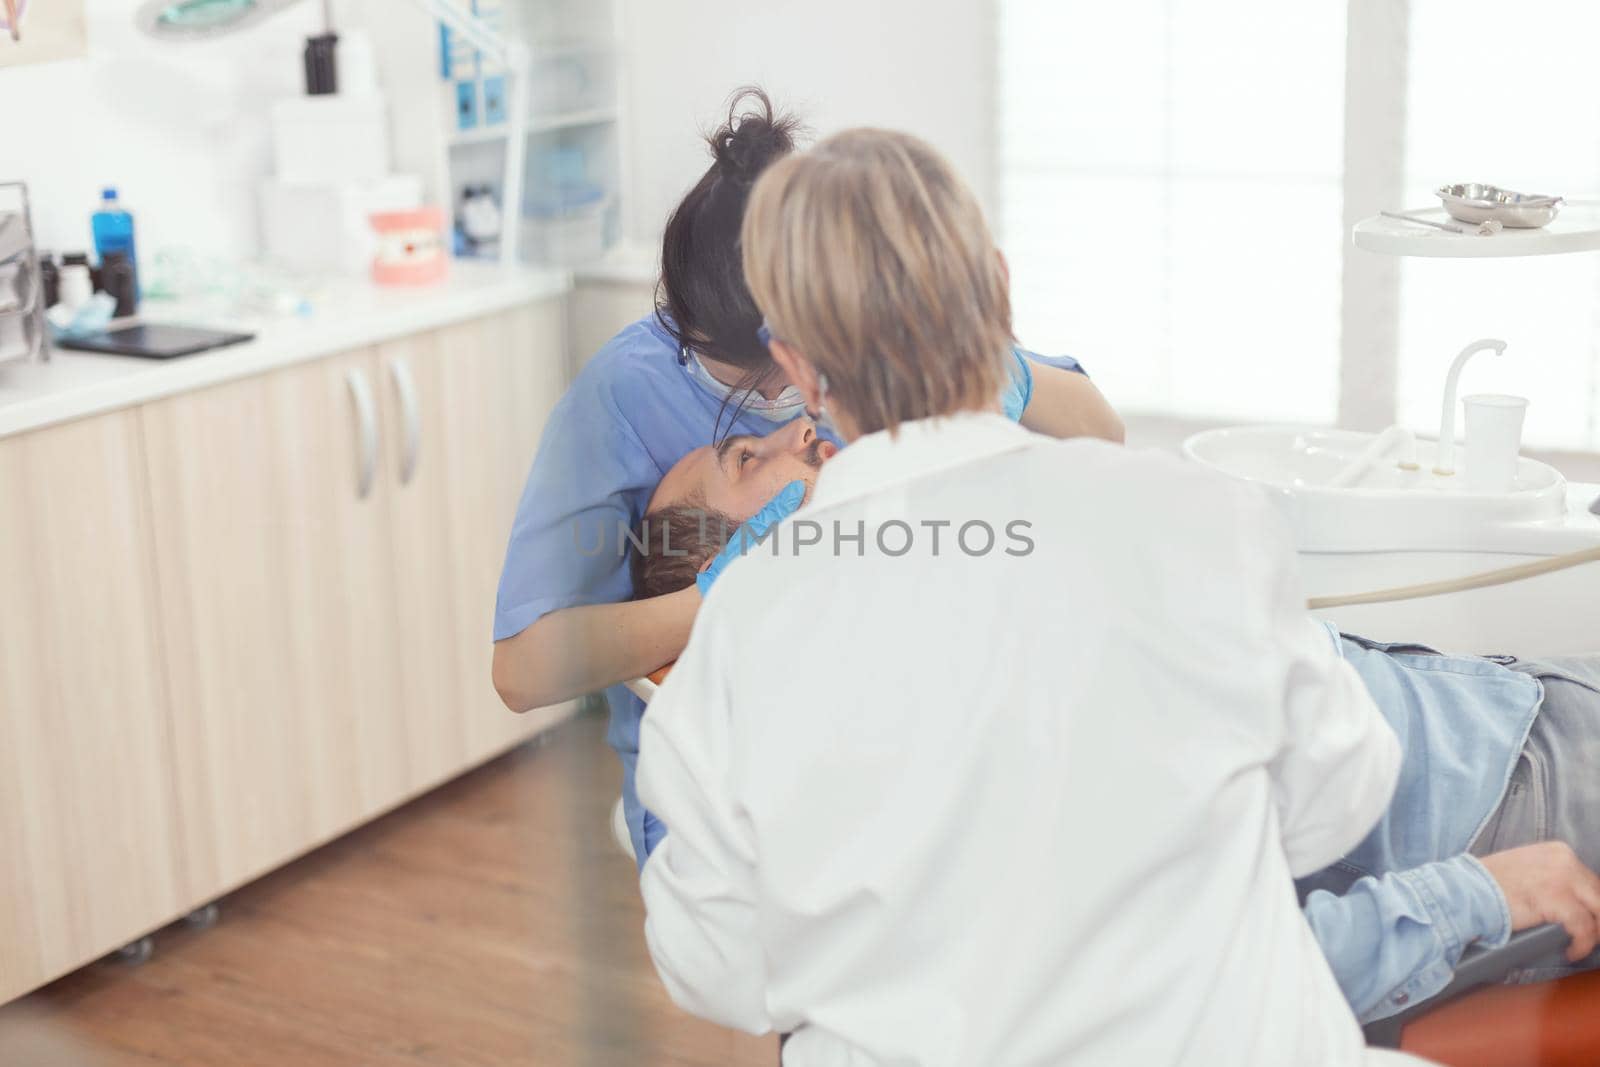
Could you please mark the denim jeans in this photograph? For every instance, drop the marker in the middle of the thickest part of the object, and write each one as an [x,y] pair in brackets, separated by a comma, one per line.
[1554,793]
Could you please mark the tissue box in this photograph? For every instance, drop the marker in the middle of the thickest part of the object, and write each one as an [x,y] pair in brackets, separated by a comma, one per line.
[326,229]
[319,140]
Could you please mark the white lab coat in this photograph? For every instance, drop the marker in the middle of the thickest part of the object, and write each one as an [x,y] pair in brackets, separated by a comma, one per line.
[946,809]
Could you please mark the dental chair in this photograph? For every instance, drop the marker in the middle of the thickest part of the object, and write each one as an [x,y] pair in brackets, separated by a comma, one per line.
[1475,1021]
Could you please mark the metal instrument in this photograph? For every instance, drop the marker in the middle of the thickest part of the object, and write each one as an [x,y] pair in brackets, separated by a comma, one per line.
[23,334]
[1486,228]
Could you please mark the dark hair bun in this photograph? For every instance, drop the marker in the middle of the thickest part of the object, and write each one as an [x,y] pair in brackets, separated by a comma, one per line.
[701,299]
[753,137]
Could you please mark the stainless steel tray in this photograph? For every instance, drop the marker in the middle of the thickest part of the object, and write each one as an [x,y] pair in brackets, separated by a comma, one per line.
[1476,202]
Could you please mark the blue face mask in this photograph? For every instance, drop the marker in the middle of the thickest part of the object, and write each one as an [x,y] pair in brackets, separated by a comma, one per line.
[781,408]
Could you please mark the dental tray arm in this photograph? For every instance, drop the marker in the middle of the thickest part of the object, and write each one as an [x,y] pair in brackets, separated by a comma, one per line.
[1479,967]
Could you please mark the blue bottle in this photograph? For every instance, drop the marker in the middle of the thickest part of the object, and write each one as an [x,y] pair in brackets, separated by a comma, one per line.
[113,230]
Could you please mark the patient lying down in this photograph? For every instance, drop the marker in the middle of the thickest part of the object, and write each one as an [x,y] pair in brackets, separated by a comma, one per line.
[708,493]
[1495,821]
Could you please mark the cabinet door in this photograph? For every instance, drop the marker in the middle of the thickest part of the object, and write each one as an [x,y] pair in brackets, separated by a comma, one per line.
[434,682]
[482,391]
[275,574]
[88,840]
[529,377]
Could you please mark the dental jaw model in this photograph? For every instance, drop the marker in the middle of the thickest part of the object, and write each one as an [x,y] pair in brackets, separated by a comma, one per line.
[411,248]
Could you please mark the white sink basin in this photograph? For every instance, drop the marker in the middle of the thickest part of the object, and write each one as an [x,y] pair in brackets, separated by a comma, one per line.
[1390,508]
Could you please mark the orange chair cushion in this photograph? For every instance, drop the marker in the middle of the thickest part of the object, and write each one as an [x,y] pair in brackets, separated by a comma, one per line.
[1549,1024]
[659,675]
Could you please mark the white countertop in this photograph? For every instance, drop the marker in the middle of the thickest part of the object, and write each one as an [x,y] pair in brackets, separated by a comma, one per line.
[70,385]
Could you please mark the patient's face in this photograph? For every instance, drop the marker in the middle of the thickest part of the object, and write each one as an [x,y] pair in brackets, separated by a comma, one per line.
[742,473]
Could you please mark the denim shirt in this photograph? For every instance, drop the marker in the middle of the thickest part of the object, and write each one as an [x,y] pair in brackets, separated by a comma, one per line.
[1394,916]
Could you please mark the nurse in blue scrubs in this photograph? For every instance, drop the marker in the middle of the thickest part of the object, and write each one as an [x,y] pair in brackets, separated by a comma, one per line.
[668,384]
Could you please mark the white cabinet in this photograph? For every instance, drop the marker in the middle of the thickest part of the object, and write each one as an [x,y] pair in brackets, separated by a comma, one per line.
[278,613]
[240,621]
[476,396]
[329,538]
[89,853]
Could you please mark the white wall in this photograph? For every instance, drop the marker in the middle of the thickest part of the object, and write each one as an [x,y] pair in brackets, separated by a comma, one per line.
[920,65]
[180,129]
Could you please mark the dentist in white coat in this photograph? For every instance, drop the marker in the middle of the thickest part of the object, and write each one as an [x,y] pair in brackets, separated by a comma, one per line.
[1008,753]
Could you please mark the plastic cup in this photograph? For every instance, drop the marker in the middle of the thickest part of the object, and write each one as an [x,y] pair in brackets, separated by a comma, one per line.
[1494,436]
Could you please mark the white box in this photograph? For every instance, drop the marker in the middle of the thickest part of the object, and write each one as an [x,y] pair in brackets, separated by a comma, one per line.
[319,140]
[324,229]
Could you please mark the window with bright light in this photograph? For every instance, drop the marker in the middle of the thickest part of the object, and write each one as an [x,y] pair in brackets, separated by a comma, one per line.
[1171,198]
[1520,111]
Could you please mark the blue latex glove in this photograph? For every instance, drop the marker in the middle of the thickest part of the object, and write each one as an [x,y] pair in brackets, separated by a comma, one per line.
[780,507]
[1019,387]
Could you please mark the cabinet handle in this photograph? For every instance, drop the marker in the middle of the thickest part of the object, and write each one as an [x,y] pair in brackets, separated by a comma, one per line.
[405,389]
[366,428]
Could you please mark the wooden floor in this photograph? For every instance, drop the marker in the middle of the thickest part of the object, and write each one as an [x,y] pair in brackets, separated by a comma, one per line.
[492,922]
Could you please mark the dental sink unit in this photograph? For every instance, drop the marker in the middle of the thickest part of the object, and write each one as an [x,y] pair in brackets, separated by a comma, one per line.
[1398,523]
[1398,542]
[1346,491]
[1393,502]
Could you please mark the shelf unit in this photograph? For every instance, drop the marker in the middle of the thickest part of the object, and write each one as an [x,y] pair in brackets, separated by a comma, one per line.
[571,139]
[572,120]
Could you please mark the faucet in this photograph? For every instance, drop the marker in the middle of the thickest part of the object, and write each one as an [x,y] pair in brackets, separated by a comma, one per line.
[1445,462]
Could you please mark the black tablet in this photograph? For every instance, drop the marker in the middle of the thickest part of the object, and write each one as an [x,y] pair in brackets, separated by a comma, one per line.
[153,340]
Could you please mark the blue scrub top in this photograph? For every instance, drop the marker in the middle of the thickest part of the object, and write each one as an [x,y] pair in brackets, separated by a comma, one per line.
[632,413]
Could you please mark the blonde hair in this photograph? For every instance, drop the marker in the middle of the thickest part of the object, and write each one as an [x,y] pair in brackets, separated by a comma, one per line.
[872,257]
